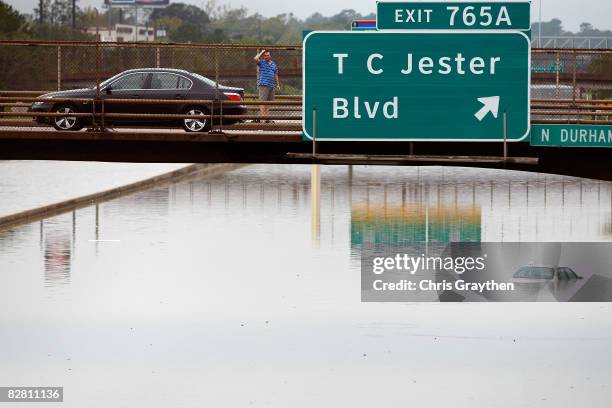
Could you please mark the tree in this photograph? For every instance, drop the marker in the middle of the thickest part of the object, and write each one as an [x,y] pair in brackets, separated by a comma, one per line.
[10,19]
[602,66]
[587,30]
[57,12]
[184,23]
[552,28]
[187,13]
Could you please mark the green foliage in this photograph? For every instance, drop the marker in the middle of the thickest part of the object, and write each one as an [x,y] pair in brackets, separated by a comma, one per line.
[187,32]
[587,30]
[53,32]
[602,66]
[57,26]
[10,20]
[554,28]
[184,23]
[187,13]
[56,12]
[236,25]
[210,24]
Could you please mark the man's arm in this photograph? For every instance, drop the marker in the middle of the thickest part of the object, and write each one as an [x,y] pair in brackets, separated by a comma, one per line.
[258,56]
[277,81]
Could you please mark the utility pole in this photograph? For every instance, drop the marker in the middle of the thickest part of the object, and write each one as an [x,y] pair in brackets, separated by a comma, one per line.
[40,11]
[73,14]
[540,25]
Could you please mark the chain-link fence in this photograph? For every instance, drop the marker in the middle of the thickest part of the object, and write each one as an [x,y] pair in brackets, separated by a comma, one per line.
[46,66]
[571,85]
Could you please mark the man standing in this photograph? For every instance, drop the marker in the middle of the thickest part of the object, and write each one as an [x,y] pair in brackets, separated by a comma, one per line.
[267,79]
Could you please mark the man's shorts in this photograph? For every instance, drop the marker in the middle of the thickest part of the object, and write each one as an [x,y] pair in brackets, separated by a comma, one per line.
[266,93]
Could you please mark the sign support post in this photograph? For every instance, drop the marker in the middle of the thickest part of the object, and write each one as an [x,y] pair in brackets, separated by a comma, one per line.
[314,132]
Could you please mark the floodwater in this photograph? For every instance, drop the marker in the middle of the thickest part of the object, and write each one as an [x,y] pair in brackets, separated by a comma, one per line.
[243,290]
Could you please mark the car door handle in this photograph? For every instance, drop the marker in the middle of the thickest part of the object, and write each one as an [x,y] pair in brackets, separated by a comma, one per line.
[135,96]
[179,96]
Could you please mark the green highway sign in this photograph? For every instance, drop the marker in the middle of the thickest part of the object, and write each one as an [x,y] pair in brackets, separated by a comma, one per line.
[453,16]
[433,85]
[571,135]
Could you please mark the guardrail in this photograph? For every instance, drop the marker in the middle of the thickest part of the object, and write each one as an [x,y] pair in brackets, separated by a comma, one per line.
[571,111]
[571,42]
[287,112]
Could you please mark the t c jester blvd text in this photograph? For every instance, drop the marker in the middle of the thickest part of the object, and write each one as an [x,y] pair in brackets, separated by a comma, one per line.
[424,65]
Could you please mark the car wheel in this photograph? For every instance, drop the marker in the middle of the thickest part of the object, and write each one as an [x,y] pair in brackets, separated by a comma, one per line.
[66,123]
[196,124]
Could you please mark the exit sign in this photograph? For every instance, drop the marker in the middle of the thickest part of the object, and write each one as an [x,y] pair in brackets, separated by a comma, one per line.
[453,16]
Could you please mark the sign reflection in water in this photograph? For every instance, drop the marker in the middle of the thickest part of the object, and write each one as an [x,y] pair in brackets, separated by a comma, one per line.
[438,205]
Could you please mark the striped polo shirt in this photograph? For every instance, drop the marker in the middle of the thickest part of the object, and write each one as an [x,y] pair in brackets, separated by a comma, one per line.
[267,71]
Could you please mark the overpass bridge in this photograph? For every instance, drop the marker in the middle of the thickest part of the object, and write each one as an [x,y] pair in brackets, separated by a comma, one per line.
[569,86]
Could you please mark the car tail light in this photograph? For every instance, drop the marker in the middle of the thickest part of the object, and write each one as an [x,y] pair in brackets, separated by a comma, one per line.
[232,96]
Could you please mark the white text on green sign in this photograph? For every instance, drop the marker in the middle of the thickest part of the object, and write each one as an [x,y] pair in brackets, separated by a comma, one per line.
[571,135]
[453,16]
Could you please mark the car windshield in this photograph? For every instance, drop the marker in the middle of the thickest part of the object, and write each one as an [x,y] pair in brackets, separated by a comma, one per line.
[566,273]
[535,272]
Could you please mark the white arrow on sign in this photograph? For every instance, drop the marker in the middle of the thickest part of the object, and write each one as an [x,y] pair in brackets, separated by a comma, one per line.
[491,104]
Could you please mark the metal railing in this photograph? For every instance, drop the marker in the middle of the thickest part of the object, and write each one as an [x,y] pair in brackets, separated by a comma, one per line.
[589,43]
[287,111]
[571,111]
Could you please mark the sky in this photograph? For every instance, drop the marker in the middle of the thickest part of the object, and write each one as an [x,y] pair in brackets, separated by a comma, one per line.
[571,12]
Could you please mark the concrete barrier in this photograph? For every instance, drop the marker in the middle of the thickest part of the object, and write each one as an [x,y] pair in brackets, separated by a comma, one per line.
[194,171]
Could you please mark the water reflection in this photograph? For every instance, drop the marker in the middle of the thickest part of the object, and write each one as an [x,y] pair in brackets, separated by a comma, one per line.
[57,255]
[373,225]
[315,198]
[391,206]
[442,205]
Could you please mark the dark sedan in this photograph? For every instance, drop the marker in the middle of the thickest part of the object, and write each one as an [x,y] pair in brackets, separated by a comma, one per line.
[149,83]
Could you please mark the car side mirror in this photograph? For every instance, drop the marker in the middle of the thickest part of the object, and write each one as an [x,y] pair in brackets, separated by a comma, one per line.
[109,90]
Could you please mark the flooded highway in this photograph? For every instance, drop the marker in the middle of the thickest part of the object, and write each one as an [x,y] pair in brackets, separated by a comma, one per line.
[244,290]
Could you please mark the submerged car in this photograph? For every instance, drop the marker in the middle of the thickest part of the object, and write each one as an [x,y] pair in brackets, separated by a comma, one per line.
[146,83]
[545,283]
[537,274]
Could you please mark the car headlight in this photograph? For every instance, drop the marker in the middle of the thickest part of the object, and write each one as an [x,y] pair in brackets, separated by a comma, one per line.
[42,102]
